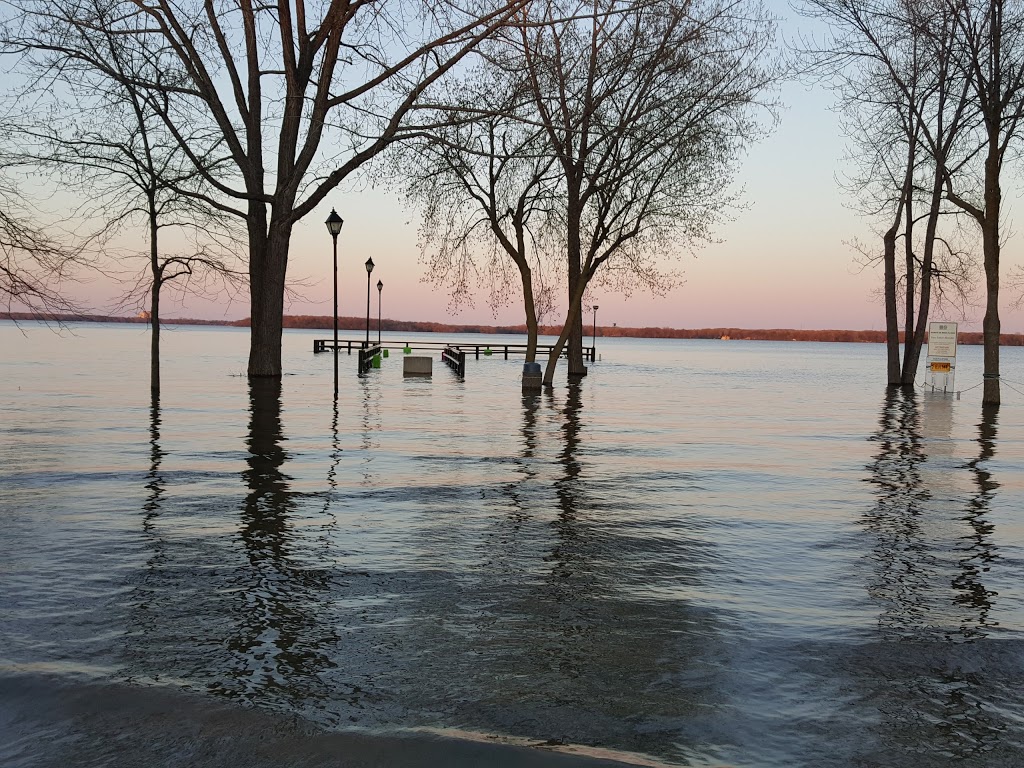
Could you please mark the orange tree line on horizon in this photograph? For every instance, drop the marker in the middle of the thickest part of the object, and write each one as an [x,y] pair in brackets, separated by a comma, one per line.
[324,322]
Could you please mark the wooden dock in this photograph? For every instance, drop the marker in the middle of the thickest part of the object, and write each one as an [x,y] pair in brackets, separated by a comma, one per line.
[476,349]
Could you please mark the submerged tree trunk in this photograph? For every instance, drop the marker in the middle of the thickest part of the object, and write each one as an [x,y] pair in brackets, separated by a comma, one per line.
[910,282]
[154,298]
[990,243]
[573,329]
[154,338]
[892,331]
[915,342]
[574,314]
[268,264]
[531,314]
[574,320]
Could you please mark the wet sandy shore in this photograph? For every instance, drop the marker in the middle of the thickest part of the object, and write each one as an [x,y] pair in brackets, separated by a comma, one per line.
[48,722]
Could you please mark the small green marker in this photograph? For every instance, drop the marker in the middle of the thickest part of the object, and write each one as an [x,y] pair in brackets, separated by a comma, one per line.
[385,353]
[487,351]
[376,361]
[406,350]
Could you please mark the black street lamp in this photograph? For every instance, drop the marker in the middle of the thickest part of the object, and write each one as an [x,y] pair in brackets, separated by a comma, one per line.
[334,223]
[369,271]
[380,287]
[593,343]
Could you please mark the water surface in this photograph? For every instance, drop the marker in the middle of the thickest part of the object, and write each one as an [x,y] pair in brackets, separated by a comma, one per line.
[741,553]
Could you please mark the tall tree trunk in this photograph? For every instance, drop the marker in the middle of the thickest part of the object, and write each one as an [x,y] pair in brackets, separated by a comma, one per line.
[531,313]
[154,338]
[892,331]
[910,280]
[573,330]
[574,321]
[154,298]
[914,342]
[268,264]
[574,313]
[990,244]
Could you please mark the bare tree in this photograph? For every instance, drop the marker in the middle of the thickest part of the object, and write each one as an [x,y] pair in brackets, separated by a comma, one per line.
[112,147]
[295,98]
[907,113]
[645,106]
[33,263]
[990,54]
[484,180]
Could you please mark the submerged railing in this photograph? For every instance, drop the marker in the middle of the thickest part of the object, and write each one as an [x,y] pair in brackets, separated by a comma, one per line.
[455,359]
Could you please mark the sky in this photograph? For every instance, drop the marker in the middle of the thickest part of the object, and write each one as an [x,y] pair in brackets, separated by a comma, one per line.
[781,262]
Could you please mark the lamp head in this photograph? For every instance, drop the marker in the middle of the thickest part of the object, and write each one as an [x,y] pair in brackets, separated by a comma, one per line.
[380,285]
[334,223]
[595,307]
[369,266]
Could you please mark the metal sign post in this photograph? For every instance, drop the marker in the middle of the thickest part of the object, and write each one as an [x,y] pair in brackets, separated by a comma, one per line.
[941,360]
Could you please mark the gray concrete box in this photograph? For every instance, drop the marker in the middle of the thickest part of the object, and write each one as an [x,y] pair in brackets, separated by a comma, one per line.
[417,366]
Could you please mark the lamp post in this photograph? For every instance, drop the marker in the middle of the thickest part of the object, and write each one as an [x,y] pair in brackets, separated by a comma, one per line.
[593,344]
[334,223]
[369,271]
[380,287]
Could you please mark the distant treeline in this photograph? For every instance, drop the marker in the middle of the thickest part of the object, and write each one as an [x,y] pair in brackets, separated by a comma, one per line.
[48,317]
[746,334]
[321,322]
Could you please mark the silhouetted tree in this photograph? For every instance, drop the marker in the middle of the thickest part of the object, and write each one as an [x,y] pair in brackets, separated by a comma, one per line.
[290,99]
[33,262]
[906,112]
[990,54]
[112,148]
[645,106]
[484,181]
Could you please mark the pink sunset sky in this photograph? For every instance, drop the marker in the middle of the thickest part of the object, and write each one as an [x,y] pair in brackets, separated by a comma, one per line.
[783,262]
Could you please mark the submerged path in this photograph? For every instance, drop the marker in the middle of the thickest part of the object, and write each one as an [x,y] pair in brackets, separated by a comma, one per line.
[45,722]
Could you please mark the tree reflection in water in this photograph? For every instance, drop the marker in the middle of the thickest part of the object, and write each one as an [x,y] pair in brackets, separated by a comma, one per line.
[278,643]
[144,617]
[979,552]
[155,484]
[936,674]
[570,584]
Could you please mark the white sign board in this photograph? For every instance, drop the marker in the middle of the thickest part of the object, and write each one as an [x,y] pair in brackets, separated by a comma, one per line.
[942,340]
[940,373]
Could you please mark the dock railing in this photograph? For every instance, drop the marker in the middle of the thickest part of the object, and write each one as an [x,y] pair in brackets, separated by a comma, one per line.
[455,359]
[478,350]
[366,355]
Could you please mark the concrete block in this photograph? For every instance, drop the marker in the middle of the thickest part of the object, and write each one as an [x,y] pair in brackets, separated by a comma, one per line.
[417,366]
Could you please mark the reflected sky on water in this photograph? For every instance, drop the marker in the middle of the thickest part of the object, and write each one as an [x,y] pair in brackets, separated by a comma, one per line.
[707,552]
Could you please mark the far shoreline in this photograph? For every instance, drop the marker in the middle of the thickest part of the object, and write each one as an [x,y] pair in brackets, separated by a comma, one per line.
[325,323]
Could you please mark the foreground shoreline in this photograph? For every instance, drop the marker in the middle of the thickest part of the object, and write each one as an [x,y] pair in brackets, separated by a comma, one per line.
[50,720]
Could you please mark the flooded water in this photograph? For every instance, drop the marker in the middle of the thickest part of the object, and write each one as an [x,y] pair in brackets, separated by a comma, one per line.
[705,553]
